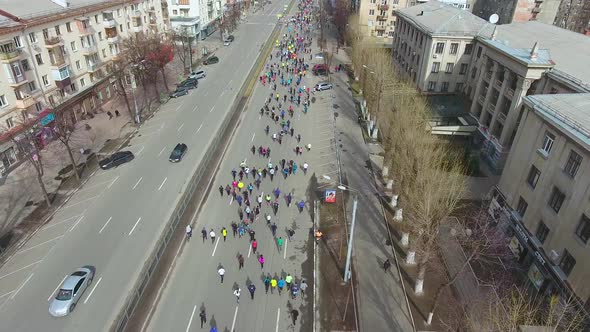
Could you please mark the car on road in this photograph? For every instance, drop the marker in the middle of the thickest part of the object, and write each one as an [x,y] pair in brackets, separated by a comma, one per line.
[70,291]
[226,43]
[211,60]
[178,152]
[116,159]
[323,86]
[197,74]
[180,91]
[230,38]
[189,83]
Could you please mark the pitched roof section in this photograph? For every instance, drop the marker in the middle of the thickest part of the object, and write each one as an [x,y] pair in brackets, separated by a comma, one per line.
[439,19]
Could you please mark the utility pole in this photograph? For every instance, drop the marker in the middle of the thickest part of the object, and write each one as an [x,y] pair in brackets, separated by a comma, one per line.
[347,272]
[190,51]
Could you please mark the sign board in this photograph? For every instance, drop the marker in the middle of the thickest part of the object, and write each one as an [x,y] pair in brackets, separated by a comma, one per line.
[330,196]
[535,276]
[47,119]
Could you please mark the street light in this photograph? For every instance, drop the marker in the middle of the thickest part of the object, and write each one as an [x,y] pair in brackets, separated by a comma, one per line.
[347,271]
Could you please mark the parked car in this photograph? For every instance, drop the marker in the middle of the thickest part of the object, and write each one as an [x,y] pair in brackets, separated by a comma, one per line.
[323,86]
[211,60]
[180,91]
[319,56]
[197,74]
[189,83]
[71,291]
[320,69]
[178,152]
[226,43]
[230,38]
[116,159]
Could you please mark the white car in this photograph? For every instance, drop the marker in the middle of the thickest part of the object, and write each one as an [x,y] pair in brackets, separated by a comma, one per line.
[198,74]
[323,86]
[319,56]
[226,43]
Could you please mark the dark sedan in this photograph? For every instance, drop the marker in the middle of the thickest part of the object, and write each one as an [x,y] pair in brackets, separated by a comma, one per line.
[180,91]
[211,60]
[178,152]
[116,159]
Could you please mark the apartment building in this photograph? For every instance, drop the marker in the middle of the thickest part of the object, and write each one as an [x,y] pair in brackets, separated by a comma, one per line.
[509,11]
[544,193]
[376,17]
[199,17]
[57,55]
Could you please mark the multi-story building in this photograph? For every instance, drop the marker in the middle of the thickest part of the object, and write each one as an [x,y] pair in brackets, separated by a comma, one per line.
[499,65]
[58,58]
[574,15]
[544,193]
[376,17]
[198,17]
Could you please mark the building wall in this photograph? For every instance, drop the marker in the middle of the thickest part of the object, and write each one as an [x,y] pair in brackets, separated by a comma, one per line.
[517,10]
[503,8]
[562,225]
[574,15]
[377,17]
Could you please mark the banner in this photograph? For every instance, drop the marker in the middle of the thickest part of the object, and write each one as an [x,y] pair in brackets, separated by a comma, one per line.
[330,196]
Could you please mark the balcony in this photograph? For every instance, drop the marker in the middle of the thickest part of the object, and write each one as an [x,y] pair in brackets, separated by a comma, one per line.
[25,102]
[381,17]
[92,67]
[117,56]
[112,39]
[153,21]
[88,49]
[17,80]
[9,55]
[136,28]
[481,99]
[136,14]
[536,10]
[53,41]
[57,61]
[380,27]
[109,22]
[498,84]
[383,7]
[510,93]
[502,118]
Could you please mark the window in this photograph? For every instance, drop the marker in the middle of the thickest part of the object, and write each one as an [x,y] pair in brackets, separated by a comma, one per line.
[3,101]
[45,33]
[174,12]
[521,207]
[573,163]
[463,69]
[473,72]
[119,12]
[431,86]
[73,87]
[73,46]
[449,68]
[57,30]
[18,42]
[435,67]
[16,70]
[533,177]
[371,12]
[45,80]
[33,37]
[440,47]
[68,27]
[444,87]
[25,64]
[9,123]
[96,19]
[100,35]
[556,199]
[542,232]
[38,106]
[548,143]
[567,262]
[128,26]
[468,49]
[82,82]
[479,49]
[108,91]
[78,65]
[39,59]
[459,87]
[583,229]
[454,48]
[32,86]
[104,53]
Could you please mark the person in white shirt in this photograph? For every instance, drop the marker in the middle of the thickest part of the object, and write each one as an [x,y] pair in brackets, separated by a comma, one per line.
[212,235]
[221,273]
[237,293]
[189,231]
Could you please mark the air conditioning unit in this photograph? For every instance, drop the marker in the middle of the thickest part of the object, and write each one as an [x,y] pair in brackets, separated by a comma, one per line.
[435,56]
[554,256]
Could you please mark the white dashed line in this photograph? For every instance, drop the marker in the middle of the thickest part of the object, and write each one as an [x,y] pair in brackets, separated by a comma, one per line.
[161,185]
[161,151]
[190,321]
[76,224]
[105,225]
[180,128]
[137,183]
[212,108]
[56,287]
[92,291]
[137,222]
[21,286]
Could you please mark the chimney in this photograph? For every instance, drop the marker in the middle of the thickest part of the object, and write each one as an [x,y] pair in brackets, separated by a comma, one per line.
[535,51]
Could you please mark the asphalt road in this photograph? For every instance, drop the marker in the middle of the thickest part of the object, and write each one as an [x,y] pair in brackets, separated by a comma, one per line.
[194,283]
[113,221]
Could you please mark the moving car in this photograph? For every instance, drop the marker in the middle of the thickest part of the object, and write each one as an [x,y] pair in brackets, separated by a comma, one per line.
[211,60]
[197,74]
[116,159]
[323,86]
[71,291]
[178,152]
[189,83]
[180,91]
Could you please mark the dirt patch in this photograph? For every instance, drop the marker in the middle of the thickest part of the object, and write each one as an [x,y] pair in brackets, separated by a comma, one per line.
[336,300]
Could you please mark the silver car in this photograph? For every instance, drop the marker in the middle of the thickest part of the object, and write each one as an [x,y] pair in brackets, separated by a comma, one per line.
[323,86]
[198,74]
[71,291]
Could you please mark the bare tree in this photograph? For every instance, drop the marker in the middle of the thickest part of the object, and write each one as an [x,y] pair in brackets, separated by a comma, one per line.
[182,41]
[63,130]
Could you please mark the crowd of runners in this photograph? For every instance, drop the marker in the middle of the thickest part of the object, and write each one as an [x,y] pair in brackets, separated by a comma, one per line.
[257,189]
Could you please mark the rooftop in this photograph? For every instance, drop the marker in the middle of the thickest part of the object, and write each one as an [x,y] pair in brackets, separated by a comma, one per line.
[439,19]
[570,112]
[570,51]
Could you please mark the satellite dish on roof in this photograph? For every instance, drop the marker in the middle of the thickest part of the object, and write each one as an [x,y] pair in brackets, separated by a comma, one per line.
[494,18]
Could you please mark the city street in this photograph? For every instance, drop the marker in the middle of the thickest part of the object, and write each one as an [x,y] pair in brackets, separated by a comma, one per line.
[113,221]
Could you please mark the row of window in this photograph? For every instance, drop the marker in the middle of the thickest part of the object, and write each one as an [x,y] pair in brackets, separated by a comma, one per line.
[444,87]
[449,68]
[439,48]
[567,261]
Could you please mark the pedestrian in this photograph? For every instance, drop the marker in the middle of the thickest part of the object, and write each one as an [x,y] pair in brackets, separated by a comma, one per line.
[261,261]
[294,168]
[254,245]
[203,316]
[294,315]
[294,290]
[303,287]
[281,284]
[221,190]
[252,233]
[267,283]
[251,289]
[273,284]
[288,280]
[301,205]
[318,236]
[280,243]
[305,166]
[189,232]
[221,272]
[117,114]
[234,228]
[228,189]
[204,232]
[386,265]
[240,261]
[212,235]
[110,115]
[233,174]
[290,233]
[237,293]
[239,199]
[298,138]
[224,233]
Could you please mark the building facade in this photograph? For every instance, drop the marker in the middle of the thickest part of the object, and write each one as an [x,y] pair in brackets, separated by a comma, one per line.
[199,17]
[545,190]
[61,60]
[376,17]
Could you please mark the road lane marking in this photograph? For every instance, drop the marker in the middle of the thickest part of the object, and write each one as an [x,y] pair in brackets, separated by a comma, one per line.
[178,107]
[180,128]
[278,315]
[286,244]
[22,268]
[249,249]
[38,245]
[137,222]
[253,135]
[159,154]
[206,93]
[139,152]
[215,248]
[190,320]
[105,225]
[201,126]
[12,291]
[77,222]
[115,180]
[21,287]
[80,202]
[233,324]
[56,287]
[161,185]
[92,291]
[195,108]
[60,222]
[212,108]
[222,93]
[231,200]
[136,184]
